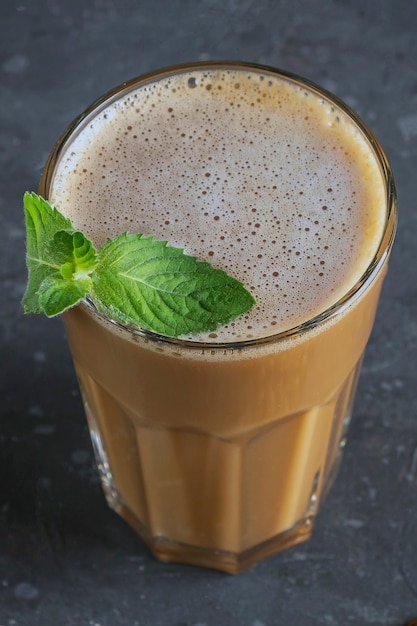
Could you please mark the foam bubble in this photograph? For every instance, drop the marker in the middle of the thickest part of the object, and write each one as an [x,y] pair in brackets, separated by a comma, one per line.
[260,177]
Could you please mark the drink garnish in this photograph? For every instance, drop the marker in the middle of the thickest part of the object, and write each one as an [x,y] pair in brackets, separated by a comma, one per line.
[133,279]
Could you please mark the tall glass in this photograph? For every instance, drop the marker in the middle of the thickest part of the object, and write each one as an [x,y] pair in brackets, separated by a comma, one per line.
[219,454]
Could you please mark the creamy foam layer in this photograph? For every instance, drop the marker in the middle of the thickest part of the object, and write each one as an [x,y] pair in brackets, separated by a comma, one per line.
[247,170]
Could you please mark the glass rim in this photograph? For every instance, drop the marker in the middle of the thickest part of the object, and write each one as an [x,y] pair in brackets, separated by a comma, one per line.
[330,312]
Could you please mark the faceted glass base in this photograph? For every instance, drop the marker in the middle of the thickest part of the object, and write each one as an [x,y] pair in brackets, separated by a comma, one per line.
[225,504]
[232,563]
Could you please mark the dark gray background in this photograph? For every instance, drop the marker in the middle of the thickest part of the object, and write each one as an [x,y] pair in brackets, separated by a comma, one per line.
[65,558]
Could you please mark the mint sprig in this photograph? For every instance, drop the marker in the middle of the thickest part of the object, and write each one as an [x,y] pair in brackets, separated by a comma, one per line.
[60,259]
[134,279]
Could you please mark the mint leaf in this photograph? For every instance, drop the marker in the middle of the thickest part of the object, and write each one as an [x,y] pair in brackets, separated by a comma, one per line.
[133,278]
[147,283]
[72,247]
[56,295]
[42,222]
[60,260]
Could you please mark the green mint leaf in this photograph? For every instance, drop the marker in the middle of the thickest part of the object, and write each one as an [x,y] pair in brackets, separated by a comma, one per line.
[42,222]
[146,283]
[56,295]
[132,278]
[60,260]
[73,252]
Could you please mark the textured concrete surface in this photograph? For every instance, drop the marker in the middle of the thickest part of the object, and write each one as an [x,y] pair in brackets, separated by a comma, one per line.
[65,558]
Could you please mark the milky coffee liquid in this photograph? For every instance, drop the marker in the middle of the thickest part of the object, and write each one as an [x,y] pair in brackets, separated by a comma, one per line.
[248,171]
[218,455]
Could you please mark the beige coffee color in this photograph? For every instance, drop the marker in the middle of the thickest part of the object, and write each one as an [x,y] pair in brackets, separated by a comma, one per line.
[219,455]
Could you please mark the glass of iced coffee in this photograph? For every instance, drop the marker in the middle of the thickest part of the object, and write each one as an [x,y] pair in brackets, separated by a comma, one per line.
[217,448]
